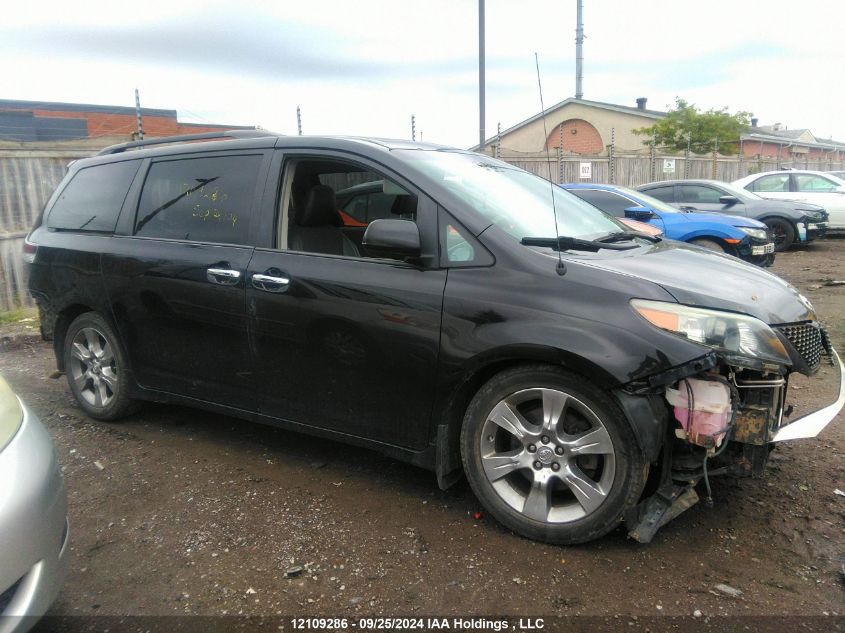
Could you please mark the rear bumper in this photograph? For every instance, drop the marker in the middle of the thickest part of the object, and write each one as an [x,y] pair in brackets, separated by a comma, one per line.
[811,425]
[33,527]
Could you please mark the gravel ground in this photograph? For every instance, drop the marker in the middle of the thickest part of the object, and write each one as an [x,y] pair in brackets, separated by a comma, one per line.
[176,511]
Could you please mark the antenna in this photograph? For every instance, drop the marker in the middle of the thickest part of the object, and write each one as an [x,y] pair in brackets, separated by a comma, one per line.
[561,267]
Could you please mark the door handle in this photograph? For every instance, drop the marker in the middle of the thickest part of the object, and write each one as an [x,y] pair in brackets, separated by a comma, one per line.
[223,276]
[268,283]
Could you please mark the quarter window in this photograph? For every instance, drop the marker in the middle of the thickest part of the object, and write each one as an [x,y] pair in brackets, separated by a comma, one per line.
[199,199]
[92,199]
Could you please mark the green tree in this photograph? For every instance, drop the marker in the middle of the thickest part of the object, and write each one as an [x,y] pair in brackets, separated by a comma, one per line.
[706,130]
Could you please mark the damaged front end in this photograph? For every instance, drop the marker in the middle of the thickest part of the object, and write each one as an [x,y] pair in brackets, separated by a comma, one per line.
[728,408]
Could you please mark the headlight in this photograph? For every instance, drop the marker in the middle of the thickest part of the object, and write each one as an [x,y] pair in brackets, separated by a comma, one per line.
[11,414]
[760,234]
[724,331]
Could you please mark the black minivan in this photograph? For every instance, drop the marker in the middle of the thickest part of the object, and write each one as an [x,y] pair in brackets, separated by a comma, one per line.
[487,323]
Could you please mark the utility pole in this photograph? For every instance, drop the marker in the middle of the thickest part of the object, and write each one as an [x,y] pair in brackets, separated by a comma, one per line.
[298,121]
[579,52]
[138,115]
[413,128]
[481,134]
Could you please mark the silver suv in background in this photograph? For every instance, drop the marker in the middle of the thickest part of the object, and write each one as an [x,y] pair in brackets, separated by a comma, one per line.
[33,517]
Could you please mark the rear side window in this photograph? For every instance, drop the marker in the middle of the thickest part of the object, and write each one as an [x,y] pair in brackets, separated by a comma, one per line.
[700,193]
[776,183]
[199,199]
[607,201]
[92,199]
[666,194]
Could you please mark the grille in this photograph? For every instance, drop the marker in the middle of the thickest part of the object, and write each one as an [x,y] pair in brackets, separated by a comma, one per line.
[6,596]
[808,341]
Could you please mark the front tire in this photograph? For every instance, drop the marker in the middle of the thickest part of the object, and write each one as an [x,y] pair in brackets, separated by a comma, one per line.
[783,233]
[96,368]
[550,455]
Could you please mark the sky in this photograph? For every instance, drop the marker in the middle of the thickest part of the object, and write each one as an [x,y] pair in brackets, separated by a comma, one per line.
[363,67]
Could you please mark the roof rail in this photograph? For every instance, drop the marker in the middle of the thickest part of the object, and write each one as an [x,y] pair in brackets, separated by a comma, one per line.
[122,147]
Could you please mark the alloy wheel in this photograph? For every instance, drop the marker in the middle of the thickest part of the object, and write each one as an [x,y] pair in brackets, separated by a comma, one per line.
[547,455]
[93,367]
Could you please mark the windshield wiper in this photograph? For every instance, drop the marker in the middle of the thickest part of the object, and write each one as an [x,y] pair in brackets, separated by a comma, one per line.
[564,243]
[621,236]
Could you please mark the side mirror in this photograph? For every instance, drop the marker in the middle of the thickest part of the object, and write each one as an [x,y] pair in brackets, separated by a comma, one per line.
[728,199]
[393,239]
[643,214]
[840,189]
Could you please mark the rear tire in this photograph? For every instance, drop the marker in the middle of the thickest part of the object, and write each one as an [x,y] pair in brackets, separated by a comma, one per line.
[96,368]
[783,233]
[710,245]
[550,455]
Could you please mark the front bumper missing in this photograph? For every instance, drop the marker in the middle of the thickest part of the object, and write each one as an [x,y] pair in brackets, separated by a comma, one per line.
[811,425]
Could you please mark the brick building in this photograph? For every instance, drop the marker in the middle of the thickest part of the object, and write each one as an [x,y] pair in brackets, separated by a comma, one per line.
[775,141]
[50,121]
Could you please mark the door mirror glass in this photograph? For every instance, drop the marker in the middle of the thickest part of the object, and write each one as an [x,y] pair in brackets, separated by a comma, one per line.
[642,214]
[393,239]
[728,199]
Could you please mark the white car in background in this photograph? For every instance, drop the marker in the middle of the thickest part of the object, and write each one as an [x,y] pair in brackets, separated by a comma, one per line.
[815,187]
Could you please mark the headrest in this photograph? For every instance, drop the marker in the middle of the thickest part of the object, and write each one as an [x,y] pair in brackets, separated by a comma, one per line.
[319,208]
[404,205]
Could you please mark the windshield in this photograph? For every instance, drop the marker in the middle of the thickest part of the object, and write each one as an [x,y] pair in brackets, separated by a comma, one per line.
[742,194]
[517,201]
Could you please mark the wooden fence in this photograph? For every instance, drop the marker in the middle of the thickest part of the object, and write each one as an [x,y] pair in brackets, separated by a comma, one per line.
[632,171]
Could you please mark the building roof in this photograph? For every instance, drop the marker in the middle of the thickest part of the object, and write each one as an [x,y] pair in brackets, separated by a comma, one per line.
[650,114]
[57,106]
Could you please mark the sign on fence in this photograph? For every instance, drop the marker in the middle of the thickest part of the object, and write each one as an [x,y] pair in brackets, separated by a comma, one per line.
[668,165]
[586,171]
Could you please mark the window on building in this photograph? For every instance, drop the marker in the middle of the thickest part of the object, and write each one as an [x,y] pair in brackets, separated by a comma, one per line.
[199,199]
[92,199]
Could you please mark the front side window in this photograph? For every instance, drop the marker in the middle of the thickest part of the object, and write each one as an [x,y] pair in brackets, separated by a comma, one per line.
[777,183]
[813,183]
[93,198]
[199,199]
[328,204]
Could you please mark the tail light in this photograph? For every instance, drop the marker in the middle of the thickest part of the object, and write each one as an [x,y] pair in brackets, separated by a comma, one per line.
[30,249]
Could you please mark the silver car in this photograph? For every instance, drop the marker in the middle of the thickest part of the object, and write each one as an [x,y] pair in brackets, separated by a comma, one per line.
[33,517]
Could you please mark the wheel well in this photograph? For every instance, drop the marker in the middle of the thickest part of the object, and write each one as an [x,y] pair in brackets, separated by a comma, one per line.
[777,217]
[63,320]
[448,454]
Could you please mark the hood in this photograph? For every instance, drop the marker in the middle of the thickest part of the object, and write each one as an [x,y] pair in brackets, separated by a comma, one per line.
[795,207]
[721,218]
[705,279]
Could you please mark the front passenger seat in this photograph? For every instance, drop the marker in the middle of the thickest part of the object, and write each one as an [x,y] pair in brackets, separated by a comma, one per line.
[314,228]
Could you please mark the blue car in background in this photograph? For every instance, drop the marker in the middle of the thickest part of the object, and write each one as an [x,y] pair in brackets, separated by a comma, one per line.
[745,238]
